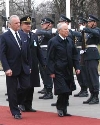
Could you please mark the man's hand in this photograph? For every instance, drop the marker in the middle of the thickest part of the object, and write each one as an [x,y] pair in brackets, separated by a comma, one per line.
[52,75]
[77,71]
[8,72]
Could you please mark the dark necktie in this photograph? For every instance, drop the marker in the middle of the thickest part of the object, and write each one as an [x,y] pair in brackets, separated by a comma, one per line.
[19,40]
[65,42]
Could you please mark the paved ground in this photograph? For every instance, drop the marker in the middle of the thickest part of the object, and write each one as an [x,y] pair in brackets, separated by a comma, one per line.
[75,108]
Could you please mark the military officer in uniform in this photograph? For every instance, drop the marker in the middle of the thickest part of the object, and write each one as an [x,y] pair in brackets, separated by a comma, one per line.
[72,34]
[37,56]
[91,57]
[44,37]
[81,77]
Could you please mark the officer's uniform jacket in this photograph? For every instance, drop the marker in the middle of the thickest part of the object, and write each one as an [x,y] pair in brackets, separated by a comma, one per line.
[37,55]
[92,40]
[45,36]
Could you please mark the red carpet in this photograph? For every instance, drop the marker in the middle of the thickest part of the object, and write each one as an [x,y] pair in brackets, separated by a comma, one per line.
[43,118]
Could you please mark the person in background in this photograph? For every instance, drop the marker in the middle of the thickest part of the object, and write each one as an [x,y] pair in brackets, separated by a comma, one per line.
[81,77]
[44,37]
[16,62]
[37,57]
[91,57]
[62,56]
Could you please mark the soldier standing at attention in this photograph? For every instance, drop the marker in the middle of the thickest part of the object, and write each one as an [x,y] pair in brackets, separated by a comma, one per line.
[91,57]
[44,37]
[81,77]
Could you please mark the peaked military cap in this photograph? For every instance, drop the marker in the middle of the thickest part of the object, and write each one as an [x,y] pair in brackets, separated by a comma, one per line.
[26,19]
[92,18]
[64,18]
[46,20]
[81,21]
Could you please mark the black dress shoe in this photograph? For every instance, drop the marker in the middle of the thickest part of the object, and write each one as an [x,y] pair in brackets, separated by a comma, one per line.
[65,113]
[30,110]
[60,113]
[53,104]
[22,108]
[17,116]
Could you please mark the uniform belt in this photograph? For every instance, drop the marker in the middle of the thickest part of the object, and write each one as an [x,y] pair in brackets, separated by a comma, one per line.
[91,46]
[79,47]
[43,46]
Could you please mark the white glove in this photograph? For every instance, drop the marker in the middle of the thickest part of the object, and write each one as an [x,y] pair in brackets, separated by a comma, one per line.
[4,30]
[34,31]
[81,51]
[82,27]
[54,30]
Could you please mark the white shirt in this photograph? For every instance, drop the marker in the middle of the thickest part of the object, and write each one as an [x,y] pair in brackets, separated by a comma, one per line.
[13,32]
[62,37]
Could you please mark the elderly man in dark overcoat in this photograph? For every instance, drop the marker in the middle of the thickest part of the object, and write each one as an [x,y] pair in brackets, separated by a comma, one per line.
[62,56]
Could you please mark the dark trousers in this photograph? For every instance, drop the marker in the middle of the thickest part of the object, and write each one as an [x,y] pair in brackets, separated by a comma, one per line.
[29,98]
[82,79]
[47,81]
[16,94]
[92,75]
[62,101]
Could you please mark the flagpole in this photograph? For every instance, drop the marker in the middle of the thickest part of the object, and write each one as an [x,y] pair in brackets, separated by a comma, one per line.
[68,10]
[7,9]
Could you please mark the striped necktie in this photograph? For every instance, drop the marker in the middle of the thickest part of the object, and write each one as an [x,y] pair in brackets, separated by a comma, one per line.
[19,40]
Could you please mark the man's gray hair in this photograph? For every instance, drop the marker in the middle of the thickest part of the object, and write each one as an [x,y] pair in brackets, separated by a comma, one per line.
[11,17]
[60,25]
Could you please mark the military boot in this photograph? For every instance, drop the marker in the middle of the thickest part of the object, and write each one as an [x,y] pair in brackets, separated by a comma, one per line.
[84,94]
[43,91]
[41,97]
[77,95]
[95,99]
[89,99]
[49,95]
